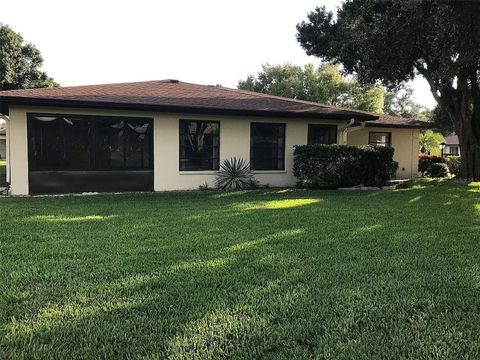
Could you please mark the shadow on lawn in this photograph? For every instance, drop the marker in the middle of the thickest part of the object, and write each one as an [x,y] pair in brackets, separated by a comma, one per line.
[141,305]
[305,273]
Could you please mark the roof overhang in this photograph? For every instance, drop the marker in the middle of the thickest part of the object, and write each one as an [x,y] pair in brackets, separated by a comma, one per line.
[6,101]
[398,126]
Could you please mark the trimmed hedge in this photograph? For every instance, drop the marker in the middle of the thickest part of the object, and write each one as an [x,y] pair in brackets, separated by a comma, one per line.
[333,166]
[425,163]
[454,163]
[439,170]
[436,166]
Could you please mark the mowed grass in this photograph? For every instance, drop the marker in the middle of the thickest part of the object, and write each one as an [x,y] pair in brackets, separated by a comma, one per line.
[261,274]
[3,173]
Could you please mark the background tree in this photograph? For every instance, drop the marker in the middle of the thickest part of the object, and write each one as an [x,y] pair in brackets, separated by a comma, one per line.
[400,103]
[430,142]
[392,41]
[367,98]
[283,80]
[324,84]
[20,63]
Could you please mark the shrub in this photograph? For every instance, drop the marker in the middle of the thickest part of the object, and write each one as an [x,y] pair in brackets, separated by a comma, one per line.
[454,163]
[332,166]
[204,187]
[234,174]
[439,170]
[425,163]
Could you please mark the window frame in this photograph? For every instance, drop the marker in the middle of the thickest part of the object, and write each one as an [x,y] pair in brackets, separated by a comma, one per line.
[328,126]
[92,145]
[389,133]
[215,168]
[456,148]
[283,125]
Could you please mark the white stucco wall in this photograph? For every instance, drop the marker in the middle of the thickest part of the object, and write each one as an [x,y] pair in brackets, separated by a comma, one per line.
[18,151]
[234,141]
[404,141]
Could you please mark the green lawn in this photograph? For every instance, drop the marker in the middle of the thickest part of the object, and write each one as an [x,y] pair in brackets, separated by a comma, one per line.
[3,173]
[262,274]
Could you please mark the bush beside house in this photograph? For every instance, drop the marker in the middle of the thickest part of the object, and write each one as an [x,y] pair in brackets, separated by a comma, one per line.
[425,163]
[454,163]
[439,170]
[436,166]
[333,166]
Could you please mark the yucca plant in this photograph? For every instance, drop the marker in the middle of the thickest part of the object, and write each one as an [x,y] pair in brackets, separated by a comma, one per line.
[234,174]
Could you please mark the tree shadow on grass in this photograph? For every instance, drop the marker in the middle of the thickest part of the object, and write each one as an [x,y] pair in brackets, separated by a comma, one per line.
[247,276]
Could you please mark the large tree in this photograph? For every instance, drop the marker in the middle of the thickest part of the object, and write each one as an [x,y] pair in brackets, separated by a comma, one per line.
[324,84]
[441,121]
[20,63]
[392,41]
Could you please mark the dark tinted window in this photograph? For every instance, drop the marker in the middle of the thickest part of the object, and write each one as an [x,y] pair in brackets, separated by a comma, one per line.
[110,144]
[267,146]
[75,142]
[138,144]
[380,139]
[322,134]
[199,145]
[45,141]
[81,142]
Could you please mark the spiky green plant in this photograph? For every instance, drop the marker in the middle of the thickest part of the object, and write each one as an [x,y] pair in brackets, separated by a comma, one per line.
[234,174]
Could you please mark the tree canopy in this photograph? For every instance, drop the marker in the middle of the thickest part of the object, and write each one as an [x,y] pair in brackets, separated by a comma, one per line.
[441,121]
[326,84]
[401,103]
[20,63]
[323,84]
[392,41]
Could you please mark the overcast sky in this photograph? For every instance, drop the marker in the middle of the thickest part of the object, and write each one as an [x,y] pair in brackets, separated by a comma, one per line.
[206,42]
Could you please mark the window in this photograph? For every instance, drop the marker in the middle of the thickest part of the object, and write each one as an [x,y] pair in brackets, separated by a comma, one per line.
[123,143]
[267,146]
[380,139]
[454,150]
[83,143]
[199,145]
[322,134]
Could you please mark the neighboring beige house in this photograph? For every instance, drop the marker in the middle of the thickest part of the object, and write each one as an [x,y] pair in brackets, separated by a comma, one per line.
[170,135]
[397,132]
[451,146]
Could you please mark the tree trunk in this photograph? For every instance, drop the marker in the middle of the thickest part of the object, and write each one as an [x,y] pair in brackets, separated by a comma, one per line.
[470,153]
[463,106]
[469,139]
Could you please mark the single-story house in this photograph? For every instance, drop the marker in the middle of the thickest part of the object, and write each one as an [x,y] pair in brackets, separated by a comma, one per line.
[171,135]
[451,146]
[3,144]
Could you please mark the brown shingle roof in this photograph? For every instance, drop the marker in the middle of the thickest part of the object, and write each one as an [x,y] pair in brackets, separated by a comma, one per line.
[175,96]
[397,122]
[452,140]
